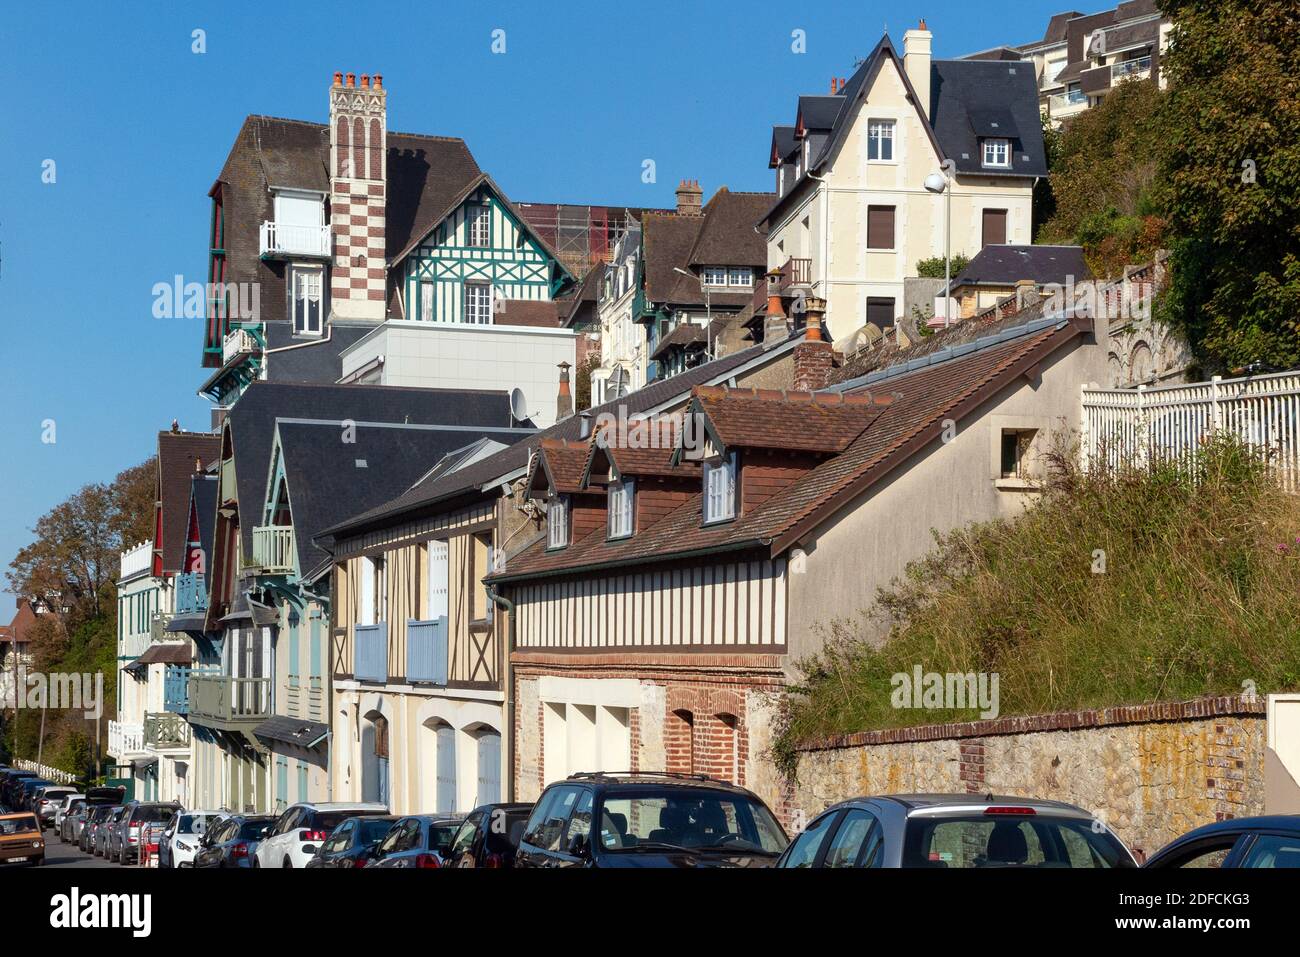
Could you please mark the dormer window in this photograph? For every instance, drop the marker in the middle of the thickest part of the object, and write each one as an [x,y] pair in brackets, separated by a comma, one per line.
[720,489]
[997,152]
[480,225]
[740,276]
[621,496]
[557,522]
[715,275]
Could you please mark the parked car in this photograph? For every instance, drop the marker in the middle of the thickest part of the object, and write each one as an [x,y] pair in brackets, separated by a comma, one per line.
[9,784]
[97,816]
[47,803]
[421,840]
[489,836]
[124,836]
[180,840]
[233,841]
[111,794]
[1249,843]
[24,790]
[955,831]
[353,842]
[74,821]
[303,828]
[103,836]
[61,813]
[649,820]
[21,840]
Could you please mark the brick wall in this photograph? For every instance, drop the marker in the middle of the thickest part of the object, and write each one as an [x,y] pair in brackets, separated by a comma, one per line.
[1151,772]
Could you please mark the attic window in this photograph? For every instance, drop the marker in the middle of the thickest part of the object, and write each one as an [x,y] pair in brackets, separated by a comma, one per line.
[1015,453]
[715,275]
[620,503]
[740,276]
[557,522]
[720,489]
[880,141]
[480,226]
[997,152]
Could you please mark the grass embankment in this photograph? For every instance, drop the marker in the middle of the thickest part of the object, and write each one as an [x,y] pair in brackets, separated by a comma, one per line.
[1200,593]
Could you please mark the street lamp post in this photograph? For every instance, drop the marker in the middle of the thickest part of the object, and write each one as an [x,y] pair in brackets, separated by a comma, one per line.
[941,182]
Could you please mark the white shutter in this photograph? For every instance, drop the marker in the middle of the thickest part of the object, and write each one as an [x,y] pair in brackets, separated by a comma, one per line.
[437,579]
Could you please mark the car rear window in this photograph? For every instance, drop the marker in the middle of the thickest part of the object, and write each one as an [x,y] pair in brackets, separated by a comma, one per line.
[252,830]
[440,835]
[503,830]
[328,820]
[989,840]
[153,814]
[17,825]
[372,831]
[685,818]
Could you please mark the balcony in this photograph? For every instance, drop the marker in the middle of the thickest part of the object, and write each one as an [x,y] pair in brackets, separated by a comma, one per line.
[426,651]
[125,739]
[371,652]
[291,239]
[1066,104]
[166,732]
[191,593]
[795,272]
[273,549]
[230,704]
[137,560]
[176,689]
[1138,69]
[238,342]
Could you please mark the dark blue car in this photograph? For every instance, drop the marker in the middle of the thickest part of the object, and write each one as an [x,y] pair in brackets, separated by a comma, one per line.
[1250,843]
[232,842]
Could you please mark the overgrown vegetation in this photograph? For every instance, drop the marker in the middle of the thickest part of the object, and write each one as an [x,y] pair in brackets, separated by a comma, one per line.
[1119,586]
[932,268]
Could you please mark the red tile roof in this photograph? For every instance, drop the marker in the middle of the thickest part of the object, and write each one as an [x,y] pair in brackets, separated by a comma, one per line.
[561,462]
[777,419]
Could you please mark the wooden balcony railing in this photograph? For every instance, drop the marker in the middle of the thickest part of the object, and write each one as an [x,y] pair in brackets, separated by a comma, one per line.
[426,651]
[221,701]
[371,652]
[164,731]
[273,548]
[191,593]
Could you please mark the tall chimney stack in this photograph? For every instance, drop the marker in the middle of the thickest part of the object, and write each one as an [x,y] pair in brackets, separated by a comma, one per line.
[689,196]
[916,63]
[564,399]
[814,356]
[358,196]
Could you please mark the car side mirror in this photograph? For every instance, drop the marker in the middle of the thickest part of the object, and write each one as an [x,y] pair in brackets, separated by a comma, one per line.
[578,846]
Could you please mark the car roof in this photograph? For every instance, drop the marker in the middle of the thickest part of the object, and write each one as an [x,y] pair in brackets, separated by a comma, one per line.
[343,805]
[935,803]
[1264,822]
[636,780]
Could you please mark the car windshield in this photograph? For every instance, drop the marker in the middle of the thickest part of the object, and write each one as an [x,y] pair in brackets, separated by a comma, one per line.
[372,831]
[689,818]
[155,814]
[328,820]
[990,840]
[17,825]
[190,824]
[252,830]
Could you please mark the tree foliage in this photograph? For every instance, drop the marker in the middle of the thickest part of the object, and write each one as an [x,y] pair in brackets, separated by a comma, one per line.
[932,268]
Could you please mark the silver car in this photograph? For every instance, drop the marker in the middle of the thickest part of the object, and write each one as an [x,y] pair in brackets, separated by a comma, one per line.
[956,831]
[70,803]
[103,834]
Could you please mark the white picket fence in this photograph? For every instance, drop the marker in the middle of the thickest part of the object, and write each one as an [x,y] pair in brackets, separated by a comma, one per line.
[45,771]
[1170,422]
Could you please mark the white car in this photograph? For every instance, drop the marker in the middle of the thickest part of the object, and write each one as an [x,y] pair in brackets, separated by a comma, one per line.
[180,841]
[301,830]
[65,808]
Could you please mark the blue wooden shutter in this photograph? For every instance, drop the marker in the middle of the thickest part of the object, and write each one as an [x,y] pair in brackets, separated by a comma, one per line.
[302,780]
[293,651]
[316,673]
[281,783]
[489,768]
[446,769]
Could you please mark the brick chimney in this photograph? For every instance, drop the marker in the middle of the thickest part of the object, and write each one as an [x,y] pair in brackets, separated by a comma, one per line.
[358,195]
[564,399]
[813,357]
[916,63]
[690,196]
[776,327]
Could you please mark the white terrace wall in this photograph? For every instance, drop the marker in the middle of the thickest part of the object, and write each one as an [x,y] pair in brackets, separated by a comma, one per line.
[1151,772]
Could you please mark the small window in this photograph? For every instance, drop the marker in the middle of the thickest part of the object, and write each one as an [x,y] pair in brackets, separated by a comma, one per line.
[997,152]
[993,227]
[480,225]
[1015,452]
[305,292]
[715,275]
[481,608]
[740,276]
[426,302]
[880,227]
[478,303]
[557,522]
[880,141]
[621,496]
[720,490]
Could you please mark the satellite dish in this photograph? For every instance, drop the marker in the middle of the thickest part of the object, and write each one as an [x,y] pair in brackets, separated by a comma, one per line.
[518,407]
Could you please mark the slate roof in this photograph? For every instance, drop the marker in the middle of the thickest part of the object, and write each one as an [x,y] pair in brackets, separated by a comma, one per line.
[313,359]
[783,144]
[922,399]
[296,731]
[252,419]
[177,454]
[1007,265]
[329,480]
[468,481]
[587,294]
[168,653]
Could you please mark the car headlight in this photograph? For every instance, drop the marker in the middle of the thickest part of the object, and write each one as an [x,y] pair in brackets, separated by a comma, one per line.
[38,843]
[182,846]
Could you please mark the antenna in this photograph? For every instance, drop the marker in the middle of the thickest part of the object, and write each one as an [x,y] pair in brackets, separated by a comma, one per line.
[518,406]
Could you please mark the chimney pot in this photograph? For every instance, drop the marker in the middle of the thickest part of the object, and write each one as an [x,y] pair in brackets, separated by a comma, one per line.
[365,81]
[338,79]
[379,80]
[564,398]
[351,79]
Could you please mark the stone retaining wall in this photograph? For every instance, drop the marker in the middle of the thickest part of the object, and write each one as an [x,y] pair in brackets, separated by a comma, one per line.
[1151,772]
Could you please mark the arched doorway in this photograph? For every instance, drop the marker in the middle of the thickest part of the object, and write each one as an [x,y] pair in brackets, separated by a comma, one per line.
[489,766]
[374,758]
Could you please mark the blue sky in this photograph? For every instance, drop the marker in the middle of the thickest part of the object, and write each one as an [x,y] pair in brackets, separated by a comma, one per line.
[138,126]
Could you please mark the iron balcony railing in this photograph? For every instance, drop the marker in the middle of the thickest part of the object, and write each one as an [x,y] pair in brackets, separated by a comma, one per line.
[291,239]
[163,731]
[426,651]
[371,651]
[223,700]
[191,593]
[273,548]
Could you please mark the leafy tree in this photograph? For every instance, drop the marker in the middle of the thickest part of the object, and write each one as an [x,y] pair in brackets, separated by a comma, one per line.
[1232,166]
[932,268]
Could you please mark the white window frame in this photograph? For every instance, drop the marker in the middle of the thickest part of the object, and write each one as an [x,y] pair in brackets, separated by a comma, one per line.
[742,276]
[622,496]
[473,311]
[439,582]
[715,275]
[991,147]
[557,522]
[881,135]
[720,487]
[478,226]
[300,274]
[426,300]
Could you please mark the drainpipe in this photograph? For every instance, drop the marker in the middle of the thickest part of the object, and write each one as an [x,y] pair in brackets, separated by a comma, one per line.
[506,605]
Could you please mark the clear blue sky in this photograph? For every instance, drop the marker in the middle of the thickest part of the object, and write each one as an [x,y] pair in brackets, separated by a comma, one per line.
[138,126]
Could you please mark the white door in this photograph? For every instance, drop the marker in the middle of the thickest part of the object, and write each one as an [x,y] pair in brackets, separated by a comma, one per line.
[437,580]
